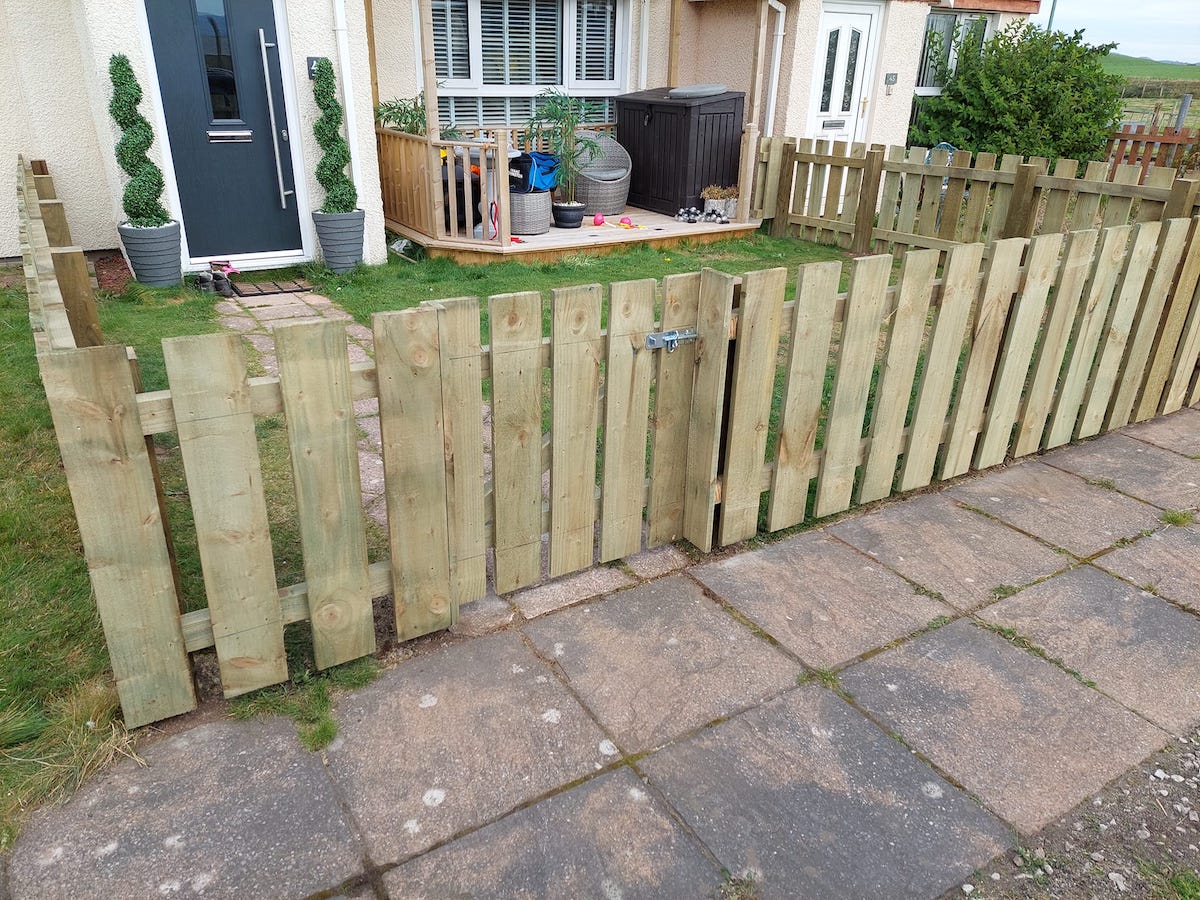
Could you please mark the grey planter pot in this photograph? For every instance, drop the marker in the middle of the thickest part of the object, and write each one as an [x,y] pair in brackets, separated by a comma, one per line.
[341,237]
[153,253]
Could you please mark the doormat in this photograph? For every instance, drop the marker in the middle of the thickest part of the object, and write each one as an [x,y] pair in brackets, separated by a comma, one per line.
[262,288]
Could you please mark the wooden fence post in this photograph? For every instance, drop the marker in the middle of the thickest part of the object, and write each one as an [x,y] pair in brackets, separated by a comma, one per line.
[75,285]
[868,201]
[1183,198]
[783,196]
[1022,208]
[746,175]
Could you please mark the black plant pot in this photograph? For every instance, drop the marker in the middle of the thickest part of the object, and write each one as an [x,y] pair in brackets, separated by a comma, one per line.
[568,215]
[153,253]
[341,237]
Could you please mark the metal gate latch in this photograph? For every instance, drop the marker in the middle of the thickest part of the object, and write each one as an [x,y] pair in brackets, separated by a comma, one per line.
[669,340]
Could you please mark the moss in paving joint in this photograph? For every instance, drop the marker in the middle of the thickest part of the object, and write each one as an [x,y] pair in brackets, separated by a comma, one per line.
[1004,591]
[738,887]
[1179,517]
[1018,640]
[928,592]
[938,623]
[1107,483]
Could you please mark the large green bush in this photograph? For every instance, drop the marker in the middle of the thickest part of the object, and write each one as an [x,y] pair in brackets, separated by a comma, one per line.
[142,198]
[340,194]
[1026,91]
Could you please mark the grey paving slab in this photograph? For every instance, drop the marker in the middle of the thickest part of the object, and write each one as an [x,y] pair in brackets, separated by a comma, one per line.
[818,802]
[1058,507]
[608,837]
[1018,732]
[453,739]
[537,601]
[1137,648]
[958,553]
[1134,467]
[224,810]
[296,311]
[238,323]
[821,599]
[1167,562]
[483,616]
[661,659]
[1179,431]
[657,562]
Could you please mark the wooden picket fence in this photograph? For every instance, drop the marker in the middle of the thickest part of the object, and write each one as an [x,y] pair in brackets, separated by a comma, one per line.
[868,199]
[781,410]
[1137,145]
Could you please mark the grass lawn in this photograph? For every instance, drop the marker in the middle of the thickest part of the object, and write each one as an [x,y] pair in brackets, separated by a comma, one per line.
[1136,67]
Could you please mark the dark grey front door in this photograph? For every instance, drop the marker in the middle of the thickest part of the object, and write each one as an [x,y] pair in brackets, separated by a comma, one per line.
[219,76]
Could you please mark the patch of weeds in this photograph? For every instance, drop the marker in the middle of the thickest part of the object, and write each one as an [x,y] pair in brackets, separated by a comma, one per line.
[827,677]
[1107,483]
[1017,640]
[1003,591]
[1178,517]
[927,592]
[744,887]
[938,623]
[1166,884]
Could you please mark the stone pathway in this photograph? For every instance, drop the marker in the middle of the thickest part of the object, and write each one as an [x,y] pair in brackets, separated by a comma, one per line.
[875,709]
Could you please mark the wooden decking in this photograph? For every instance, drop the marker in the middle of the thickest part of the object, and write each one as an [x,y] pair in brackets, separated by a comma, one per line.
[655,229]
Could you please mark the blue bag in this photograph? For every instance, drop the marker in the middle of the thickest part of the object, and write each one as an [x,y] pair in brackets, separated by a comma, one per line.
[533,171]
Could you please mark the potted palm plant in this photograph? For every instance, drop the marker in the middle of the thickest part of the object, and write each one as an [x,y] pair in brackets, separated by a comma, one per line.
[149,235]
[555,126]
[339,222]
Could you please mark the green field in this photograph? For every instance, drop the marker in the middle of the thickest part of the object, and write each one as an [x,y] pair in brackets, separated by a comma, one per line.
[1136,67]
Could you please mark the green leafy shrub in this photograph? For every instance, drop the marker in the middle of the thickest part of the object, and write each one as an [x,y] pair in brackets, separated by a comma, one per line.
[340,194]
[1026,91]
[142,198]
[408,115]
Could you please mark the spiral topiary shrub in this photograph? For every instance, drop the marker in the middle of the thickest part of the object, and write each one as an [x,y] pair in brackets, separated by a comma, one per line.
[142,198]
[340,193]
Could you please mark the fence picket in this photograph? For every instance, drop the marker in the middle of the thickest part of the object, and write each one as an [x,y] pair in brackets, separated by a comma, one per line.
[1087,203]
[1117,209]
[516,351]
[950,213]
[889,205]
[1002,196]
[1180,389]
[626,417]
[414,468]
[92,402]
[750,401]
[210,393]
[913,295]
[977,199]
[314,378]
[1054,215]
[575,385]
[808,356]
[1171,339]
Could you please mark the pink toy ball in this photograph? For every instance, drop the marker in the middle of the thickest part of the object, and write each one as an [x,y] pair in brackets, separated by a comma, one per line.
[598,219]
[625,220]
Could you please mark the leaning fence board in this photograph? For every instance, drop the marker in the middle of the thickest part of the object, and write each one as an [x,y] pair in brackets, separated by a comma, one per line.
[708,390]
[207,374]
[1086,334]
[1186,360]
[626,417]
[414,469]
[462,420]
[574,386]
[852,383]
[1163,274]
[812,326]
[314,377]
[1118,327]
[1019,343]
[1072,277]
[750,401]
[112,488]
[516,350]
[941,362]
[1172,343]
[898,372]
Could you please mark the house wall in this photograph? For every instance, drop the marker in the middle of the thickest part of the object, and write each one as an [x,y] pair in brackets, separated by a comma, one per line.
[397,49]
[902,36]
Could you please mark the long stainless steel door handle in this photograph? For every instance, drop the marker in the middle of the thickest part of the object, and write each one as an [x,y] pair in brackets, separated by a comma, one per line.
[283,191]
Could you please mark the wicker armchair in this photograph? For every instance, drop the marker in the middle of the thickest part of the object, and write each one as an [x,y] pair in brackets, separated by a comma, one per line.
[603,183]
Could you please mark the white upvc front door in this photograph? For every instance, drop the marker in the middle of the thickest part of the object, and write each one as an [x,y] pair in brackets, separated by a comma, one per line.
[842,79]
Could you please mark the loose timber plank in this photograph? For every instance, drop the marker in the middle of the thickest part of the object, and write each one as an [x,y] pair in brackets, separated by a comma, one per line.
[1071,279]
[207,374]
[414,468]
[314,376]
[626,417]
[1086,334]
[808,355]
[708,393]
[574,402]
[1118,328]
[898,372]
[852,382]
[1172,243]
[1167,342]
[516,324]
[1019,344]
[750,401]
[672,413]
[462,418]
[959,286]
[92,403]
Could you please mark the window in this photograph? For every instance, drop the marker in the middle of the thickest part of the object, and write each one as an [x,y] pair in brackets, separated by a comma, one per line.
[492,57]
[213,27]
[944,33]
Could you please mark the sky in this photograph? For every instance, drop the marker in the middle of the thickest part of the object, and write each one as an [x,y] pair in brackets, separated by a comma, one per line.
[1159,29]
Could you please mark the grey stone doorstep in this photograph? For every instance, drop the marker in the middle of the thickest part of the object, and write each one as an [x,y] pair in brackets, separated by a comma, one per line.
[230,809]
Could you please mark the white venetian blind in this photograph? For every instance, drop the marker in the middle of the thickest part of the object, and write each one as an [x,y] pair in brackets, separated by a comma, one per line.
[451,46]
[596,40]
[520,41]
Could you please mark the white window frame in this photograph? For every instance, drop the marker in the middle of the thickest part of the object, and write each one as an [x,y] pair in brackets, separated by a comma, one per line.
[960,17]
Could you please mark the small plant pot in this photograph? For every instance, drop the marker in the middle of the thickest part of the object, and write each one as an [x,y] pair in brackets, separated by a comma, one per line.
[341,237]
[153,253]
[568,215]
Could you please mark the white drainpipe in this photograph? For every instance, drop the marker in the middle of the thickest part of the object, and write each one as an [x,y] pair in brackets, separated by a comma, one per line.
[776,64]
[343,54]
[643,45]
